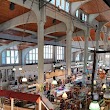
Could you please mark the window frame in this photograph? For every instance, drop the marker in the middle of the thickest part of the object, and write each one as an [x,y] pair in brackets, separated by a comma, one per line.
[9,58]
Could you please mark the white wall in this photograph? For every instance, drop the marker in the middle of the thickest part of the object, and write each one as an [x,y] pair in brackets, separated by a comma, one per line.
[30,69]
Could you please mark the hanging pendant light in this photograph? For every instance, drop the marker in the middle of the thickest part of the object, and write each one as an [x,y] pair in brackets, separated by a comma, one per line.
[106,96]
[95,82]
[61,67]
[103,66]
[87,64]
[54,65]
[104,86]
[24,79]
[54,82]
[94,106]
[64,96]
[20,68]
[14,69]
[95,96]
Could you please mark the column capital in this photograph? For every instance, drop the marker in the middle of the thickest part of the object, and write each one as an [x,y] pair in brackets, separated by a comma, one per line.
[69,32]
[70,26]
[40,22]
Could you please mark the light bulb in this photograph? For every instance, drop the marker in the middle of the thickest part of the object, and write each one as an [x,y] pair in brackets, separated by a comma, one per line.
[87,64]
[54,82]
[104,86]
[95,82]
[61,67]
[94,106]
[54,65]
[20,69]
[103,65]
[24,79]
[100,69]
[14,69]
[95,96]
[107,95]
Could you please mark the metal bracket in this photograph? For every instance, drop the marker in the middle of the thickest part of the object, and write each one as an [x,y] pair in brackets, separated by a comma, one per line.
[43,3]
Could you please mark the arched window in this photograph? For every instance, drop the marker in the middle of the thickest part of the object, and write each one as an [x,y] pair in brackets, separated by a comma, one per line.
[48,52]
[52,1]
[77,13]
[10,57]
[85,17]
[90,57]
[67,7]
[60,53]
[62,4]
[107,56]
[78,57]
[58,3]
[32,56]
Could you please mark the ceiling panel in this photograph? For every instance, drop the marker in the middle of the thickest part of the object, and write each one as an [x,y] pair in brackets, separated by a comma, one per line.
[78,38]
[50,22]
[5,41]
[16,33]
[58,34]
[29,26]
[7,14]
[102,18]
[94,6]
[33,26]
[77,29]
[92,34]
[48,39]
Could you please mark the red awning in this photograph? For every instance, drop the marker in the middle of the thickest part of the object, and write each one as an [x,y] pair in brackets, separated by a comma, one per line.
[19,95]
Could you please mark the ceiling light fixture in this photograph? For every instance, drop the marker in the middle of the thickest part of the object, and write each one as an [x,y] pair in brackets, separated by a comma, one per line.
[14,69]
[95,82]
[94,106]
[20,68]
[54,65]
[107,95]
[104,86]
[54,82]
[24,79]
[61,67]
